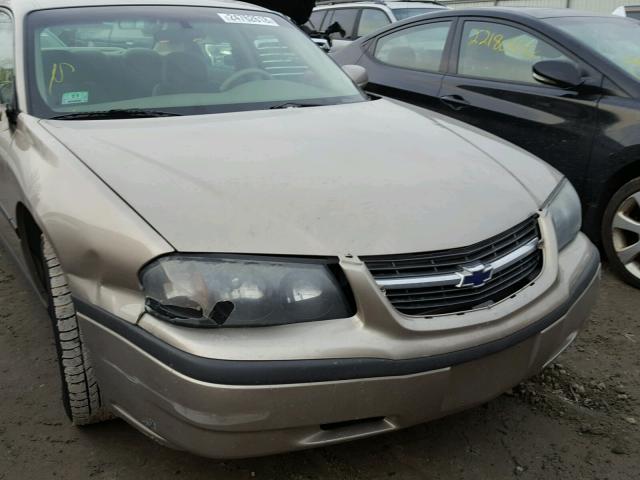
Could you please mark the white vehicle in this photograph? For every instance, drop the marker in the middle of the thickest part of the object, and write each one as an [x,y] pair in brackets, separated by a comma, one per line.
[361,18]
[631,11]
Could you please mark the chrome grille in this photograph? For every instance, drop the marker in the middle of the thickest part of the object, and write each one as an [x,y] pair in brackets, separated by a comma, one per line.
[463,279]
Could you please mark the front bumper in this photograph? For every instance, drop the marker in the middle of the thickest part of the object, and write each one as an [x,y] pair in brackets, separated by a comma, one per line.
[229,409]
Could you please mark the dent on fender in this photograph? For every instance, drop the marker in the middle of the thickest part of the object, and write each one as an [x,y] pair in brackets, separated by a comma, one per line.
[100,253]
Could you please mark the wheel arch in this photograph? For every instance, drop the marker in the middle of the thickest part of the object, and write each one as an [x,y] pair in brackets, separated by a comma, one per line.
[30,235]
[623,176]
[629,169]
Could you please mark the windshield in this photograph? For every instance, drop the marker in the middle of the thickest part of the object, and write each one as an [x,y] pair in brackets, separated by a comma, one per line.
[179,60]
[402,13]
[617,39]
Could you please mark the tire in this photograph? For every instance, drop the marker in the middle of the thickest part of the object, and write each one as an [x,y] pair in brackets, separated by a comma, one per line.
[621,232]
[80,390]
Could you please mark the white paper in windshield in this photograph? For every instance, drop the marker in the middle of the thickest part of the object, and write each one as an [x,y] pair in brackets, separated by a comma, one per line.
[248,19]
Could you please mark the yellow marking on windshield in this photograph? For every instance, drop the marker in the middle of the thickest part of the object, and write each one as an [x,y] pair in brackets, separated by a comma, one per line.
[57,74]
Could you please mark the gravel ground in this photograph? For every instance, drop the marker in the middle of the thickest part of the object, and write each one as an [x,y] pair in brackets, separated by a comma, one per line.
[578,419]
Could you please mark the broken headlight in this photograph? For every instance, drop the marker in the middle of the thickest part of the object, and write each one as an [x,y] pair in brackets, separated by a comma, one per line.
[236,291]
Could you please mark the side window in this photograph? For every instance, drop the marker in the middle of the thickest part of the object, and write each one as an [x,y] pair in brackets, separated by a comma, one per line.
[316,19]
[346,17]
[371,20]
[6,58]
[500,52]
[418,48]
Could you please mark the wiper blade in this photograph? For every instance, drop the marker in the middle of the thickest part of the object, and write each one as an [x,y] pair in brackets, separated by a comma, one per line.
[284,106]
[115,114]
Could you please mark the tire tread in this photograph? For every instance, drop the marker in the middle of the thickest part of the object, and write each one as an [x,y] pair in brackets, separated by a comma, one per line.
[81,391]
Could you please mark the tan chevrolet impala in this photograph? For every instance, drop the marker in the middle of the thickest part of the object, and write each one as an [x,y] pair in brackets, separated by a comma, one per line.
[243,254]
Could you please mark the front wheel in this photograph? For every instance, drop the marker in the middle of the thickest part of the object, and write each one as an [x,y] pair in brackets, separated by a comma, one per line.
[621,232]
[80,390]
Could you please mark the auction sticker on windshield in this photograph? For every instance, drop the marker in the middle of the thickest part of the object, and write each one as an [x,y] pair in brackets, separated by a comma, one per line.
[72,98]
[248,19]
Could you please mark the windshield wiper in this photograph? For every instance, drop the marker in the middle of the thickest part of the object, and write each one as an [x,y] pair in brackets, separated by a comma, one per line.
[286,105]
[115,114]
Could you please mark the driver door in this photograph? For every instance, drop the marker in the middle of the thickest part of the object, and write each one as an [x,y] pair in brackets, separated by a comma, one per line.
[491,86]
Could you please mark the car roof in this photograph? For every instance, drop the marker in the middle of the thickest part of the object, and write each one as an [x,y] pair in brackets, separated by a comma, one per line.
[25,6]
[532,12]
[382,3]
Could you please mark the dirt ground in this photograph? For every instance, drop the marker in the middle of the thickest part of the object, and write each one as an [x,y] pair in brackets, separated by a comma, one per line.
[577,420]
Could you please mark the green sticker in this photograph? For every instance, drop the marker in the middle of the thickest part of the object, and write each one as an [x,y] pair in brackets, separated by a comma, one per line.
[71,98]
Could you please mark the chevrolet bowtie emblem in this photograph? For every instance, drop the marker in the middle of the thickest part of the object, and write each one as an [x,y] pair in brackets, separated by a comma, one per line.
[475,276]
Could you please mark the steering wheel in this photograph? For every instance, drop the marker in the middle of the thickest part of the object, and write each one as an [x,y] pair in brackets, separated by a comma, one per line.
[233,79]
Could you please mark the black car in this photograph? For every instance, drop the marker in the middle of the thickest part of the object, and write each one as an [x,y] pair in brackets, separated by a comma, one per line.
[562,84]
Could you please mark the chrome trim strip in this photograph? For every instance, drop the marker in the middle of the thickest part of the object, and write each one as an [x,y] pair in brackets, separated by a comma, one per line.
[453,279]
[515,256]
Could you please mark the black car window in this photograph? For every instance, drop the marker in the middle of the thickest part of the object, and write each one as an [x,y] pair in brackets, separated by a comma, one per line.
[635,14]
[316,19]
[616,39]
[418,48]
[371,20]
[6,58]
[346,17]
[501,52]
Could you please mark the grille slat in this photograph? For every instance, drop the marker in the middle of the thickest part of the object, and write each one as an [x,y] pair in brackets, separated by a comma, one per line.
[457,258]
[453,293]
[481,295]
[438,300]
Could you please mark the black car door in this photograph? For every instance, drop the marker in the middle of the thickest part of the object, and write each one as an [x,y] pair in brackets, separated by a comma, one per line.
[491,86]
[407,63]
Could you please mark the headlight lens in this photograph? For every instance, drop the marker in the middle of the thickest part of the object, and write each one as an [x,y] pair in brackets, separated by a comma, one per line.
[211,292]
[566,212]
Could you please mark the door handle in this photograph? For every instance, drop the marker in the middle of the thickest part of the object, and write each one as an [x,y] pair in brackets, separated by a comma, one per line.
[455,102]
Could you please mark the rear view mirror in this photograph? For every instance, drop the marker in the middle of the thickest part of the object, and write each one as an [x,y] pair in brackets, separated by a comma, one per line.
[358,74]
[558,73]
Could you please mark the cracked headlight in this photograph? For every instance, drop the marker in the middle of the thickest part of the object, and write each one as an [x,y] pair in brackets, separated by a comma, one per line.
[566,213]
[237,291]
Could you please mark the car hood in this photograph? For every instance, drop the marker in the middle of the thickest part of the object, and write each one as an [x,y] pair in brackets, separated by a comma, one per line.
[362,179]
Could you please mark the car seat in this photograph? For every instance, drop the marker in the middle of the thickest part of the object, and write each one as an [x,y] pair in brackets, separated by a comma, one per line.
[143,71]
[184,73]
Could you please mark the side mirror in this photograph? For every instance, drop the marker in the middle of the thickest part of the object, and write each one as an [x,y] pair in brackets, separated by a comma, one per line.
[358,74]
[558,73]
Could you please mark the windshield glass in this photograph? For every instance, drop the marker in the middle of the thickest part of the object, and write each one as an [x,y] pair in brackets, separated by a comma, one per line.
[402,13]
[180,60]
[617,39]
